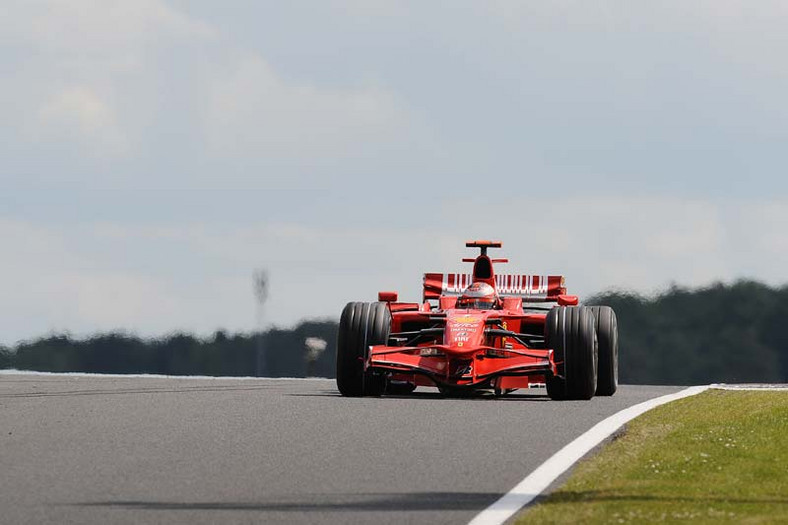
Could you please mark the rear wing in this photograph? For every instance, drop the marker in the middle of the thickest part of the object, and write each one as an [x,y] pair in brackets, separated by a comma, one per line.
[534,288]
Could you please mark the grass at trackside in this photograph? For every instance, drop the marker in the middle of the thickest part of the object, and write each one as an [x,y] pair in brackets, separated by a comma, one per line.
[718,457]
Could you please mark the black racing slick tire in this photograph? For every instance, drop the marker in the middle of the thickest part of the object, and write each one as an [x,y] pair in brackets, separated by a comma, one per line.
[362,325]
[607,337]
[570,332]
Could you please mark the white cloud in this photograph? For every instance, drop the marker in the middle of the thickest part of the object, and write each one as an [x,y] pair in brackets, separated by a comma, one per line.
[101,30]
[117,79]
[79,114]
[52,281]
[110,299]
[83,66]
[254,111]
[199,277]
[641,243]
[746,36]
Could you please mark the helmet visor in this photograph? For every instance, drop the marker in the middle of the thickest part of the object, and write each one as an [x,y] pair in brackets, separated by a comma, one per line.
[483,303]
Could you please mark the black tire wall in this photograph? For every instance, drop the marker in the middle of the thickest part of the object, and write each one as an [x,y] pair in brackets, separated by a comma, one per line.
[607,337]
[361,325]
[570,332]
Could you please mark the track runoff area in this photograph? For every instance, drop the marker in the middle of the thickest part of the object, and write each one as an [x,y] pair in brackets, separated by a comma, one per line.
[544,475]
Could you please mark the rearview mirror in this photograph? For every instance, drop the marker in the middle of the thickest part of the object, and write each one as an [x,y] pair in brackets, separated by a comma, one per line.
[388,297]
[567,300]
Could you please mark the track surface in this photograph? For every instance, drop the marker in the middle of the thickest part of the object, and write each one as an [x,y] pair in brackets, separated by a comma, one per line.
[162,450]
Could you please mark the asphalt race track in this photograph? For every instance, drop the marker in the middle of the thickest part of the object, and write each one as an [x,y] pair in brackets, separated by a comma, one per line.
[102,449]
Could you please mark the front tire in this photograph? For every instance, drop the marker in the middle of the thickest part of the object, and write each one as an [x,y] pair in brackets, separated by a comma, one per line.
[607,335]
[362,325]
[570,332]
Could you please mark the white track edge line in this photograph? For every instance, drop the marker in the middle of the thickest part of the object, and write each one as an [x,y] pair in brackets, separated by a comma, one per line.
[541,478]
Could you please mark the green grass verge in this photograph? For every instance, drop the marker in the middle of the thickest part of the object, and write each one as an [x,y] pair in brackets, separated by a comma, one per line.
[718,457]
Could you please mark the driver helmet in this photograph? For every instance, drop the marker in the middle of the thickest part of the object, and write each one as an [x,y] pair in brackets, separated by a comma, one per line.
[479,296]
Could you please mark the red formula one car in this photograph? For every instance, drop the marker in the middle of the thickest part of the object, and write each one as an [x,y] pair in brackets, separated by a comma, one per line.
[476,332]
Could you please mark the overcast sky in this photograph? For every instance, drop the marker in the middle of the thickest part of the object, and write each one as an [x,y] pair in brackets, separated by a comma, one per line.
[154,153]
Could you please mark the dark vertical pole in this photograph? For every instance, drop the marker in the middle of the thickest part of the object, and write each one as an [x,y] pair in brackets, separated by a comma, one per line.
[260,282]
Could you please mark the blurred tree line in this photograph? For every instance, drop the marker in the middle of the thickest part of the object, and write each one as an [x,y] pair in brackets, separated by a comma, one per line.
[275,353]
[721,333]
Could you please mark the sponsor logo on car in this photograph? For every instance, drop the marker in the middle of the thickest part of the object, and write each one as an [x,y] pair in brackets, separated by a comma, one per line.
[466,321]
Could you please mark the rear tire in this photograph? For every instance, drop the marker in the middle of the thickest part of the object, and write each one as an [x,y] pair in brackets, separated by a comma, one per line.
[607,335]
[570,332]
[362,325]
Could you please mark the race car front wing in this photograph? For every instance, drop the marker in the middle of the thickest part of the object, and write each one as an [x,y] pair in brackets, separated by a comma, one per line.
[445,365]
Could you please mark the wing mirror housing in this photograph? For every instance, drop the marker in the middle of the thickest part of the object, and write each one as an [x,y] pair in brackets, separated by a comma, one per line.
[567,300]
[388,297]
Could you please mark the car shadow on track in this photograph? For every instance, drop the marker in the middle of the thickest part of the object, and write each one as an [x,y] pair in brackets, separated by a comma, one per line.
[415,501]
[434,395]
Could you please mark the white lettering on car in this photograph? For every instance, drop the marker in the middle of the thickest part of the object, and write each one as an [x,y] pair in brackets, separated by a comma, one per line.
[456,283]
